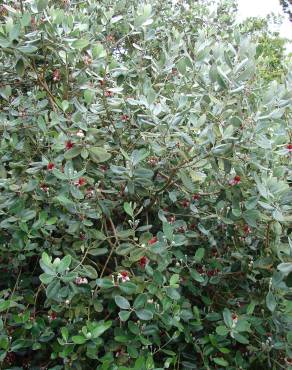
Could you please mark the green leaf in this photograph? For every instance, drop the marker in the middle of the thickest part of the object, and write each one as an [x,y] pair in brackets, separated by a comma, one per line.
[220,361]
[88,96]
[4,305]
[65,201]
[100,328]
[250,308]
[98,51]
[285,267]
[240,338]
[41,5]
[98,251]
[222,149]
[144,314]
[173,293]
[98,154]
[105,283]
[19,66]
[27,49]
[289,337]
[128,287]
[122,302]
[80,44]
[124,315]
[72,153]
[200,252]
[128,209]
[76,193]
[70,276]
[46,278]
[187,181]
[174,280]
[65,333]
[196,276]
[64,264]
[227,317]
[78,339]
[251,217]
[6,92]
[168,230]
[271,301]
[140,301]
[222,330]
[53,289]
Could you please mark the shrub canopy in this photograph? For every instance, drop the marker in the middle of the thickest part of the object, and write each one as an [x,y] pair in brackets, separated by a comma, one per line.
[145,183]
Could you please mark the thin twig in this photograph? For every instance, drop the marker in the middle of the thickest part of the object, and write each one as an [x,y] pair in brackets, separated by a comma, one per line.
[12,294]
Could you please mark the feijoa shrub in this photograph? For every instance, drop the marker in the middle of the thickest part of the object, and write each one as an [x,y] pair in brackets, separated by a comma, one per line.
[145,183]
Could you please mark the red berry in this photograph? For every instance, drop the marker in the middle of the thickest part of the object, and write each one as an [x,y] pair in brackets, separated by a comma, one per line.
[53,316]
[235,180]
[56,75]
[289,147]
[181,230]
[44,188]
[246,229]
[50,166]
[103,167]
[171,219]
[110,38]
[185,203]
[143,261]
[108,94]
[153,240]
[196,197]
[69,144]
[125,117]
[82,236]
[81,181]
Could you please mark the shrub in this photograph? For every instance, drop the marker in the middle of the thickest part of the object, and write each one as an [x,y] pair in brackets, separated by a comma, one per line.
[145,190]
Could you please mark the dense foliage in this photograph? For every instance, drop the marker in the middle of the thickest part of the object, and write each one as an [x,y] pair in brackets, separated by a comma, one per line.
[145,176]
